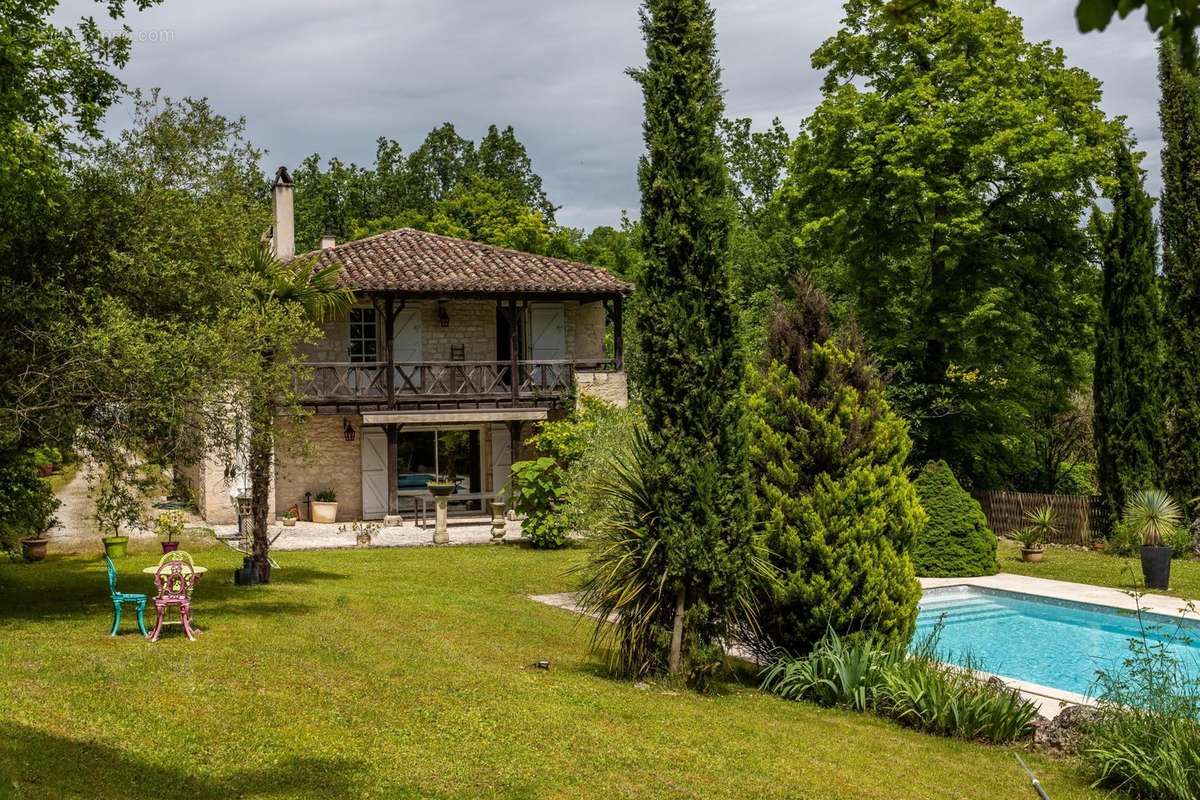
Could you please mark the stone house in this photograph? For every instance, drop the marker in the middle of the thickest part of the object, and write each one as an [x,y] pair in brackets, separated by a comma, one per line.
[452,354]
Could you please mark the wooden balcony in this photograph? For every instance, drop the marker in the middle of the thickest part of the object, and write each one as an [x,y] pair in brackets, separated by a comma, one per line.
[444,384]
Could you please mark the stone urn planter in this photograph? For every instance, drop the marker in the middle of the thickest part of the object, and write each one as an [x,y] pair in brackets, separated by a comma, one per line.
[34,549]
[1032,554]
[290,522]
[441,488]
[115,546]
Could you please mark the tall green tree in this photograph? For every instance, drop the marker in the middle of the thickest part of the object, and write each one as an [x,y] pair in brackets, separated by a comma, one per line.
[1128,412]
[1179,113]
[837,510]
[691,372]
[938,191]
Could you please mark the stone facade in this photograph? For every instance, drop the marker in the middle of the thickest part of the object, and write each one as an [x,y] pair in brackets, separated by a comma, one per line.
[327,461]
[472,325]
[611,387]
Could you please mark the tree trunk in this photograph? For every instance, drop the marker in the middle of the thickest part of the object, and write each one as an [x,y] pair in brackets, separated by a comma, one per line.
[676,657]
[262,448]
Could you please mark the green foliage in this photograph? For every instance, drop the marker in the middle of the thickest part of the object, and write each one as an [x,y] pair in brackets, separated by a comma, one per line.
[537,492]
[584,445]
[1175,20]
[690,375]
[1179,112]
[938,196]
[1146,739]
[326,496]
[1153,515]
[169,525]
[913,689]
[488,193]
[1128,412]
[1180,542]
[956,540]
[27,503]
[832,494]
[119,503]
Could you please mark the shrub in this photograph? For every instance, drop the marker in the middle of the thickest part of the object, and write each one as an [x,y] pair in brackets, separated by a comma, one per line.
[1180,542]
[832,494]
[1146,737]
[1125,541]
[326,496]
[584,444]
[955,541]
[536,490]
[27,504]
[914,689]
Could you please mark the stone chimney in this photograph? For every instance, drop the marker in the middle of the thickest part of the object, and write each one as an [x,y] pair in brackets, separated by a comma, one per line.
[327,241]
[283,225]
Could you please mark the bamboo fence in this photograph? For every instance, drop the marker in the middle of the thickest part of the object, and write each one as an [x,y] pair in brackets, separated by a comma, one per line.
[1079,516]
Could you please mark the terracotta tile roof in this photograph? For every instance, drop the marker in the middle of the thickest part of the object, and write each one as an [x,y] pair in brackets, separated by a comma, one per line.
[409,260]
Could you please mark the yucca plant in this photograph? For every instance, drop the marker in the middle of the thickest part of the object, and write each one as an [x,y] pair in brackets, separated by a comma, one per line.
[1042,527]
[1154,515]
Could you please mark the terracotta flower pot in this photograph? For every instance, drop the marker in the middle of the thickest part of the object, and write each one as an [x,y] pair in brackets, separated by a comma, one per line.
[34,549]
[324,512]
[1032,554]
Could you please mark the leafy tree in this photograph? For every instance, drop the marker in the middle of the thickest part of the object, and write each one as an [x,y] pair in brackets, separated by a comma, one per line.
[693,470]
[838,512]
[503,159]
[1175,20]
[331,200]
[938,190]
[1128,414]
[1179,112]
[955,541]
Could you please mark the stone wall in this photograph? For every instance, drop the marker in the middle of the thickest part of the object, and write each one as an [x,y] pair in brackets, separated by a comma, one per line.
[472,324]
[327,462]
[612,387]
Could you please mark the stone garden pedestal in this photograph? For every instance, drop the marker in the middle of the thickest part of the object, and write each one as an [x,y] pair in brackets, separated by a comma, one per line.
[441,534]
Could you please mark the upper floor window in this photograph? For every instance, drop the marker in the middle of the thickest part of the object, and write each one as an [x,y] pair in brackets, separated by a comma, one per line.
[364,338]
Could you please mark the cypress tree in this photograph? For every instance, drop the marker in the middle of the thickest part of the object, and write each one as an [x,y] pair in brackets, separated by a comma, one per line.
[691,377]
[1128,412]
[1179,114]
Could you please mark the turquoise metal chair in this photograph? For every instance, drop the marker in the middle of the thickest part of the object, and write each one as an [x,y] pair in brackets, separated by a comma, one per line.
[121,598]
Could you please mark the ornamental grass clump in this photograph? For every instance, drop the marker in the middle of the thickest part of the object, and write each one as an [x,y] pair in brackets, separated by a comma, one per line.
[1145,740]
[914,689]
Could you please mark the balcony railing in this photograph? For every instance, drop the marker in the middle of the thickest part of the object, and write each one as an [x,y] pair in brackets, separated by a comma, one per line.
[538,382]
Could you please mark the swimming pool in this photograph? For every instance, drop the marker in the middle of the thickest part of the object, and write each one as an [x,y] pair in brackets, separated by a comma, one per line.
[1055,643]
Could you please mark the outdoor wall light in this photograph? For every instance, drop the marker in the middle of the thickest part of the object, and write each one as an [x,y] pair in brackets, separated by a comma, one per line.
[347,430]
[443,315]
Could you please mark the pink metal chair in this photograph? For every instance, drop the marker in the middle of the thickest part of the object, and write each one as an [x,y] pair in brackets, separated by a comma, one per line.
[174,580]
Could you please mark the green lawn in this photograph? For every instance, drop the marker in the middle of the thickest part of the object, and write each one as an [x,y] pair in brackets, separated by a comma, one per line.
[1098,569]
[405,673]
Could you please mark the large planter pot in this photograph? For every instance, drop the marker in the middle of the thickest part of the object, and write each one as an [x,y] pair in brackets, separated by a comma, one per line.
[324,512]
[439,489]
[1032,554]
[116,546]
[34,549]
[1156,566]
[169,547]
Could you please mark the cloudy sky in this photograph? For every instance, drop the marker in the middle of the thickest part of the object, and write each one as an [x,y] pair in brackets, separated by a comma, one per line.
[319,76]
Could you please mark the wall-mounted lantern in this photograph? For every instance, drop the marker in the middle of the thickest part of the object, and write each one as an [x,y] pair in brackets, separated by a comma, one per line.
[442,314]
[347,430]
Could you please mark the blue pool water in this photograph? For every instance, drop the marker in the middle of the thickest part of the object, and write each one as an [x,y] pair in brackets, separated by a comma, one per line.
[1055,643]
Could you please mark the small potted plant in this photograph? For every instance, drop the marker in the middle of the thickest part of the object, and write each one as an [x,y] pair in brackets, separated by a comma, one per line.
[117,506]
[1154,515]
[441,487]
[1042,525]
[324,506]
[169,526]
[288,518]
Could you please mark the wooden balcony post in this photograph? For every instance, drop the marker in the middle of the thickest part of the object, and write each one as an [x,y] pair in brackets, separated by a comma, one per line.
[393,502]
[619,332]
[513,347]
[389,350]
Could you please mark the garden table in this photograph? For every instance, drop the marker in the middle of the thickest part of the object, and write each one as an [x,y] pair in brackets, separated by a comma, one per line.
[154,570]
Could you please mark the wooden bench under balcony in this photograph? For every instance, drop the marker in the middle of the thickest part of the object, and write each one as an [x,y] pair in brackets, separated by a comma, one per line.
[444,384]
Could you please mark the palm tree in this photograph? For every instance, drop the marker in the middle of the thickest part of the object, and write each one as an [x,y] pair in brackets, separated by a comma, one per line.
[298,283]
